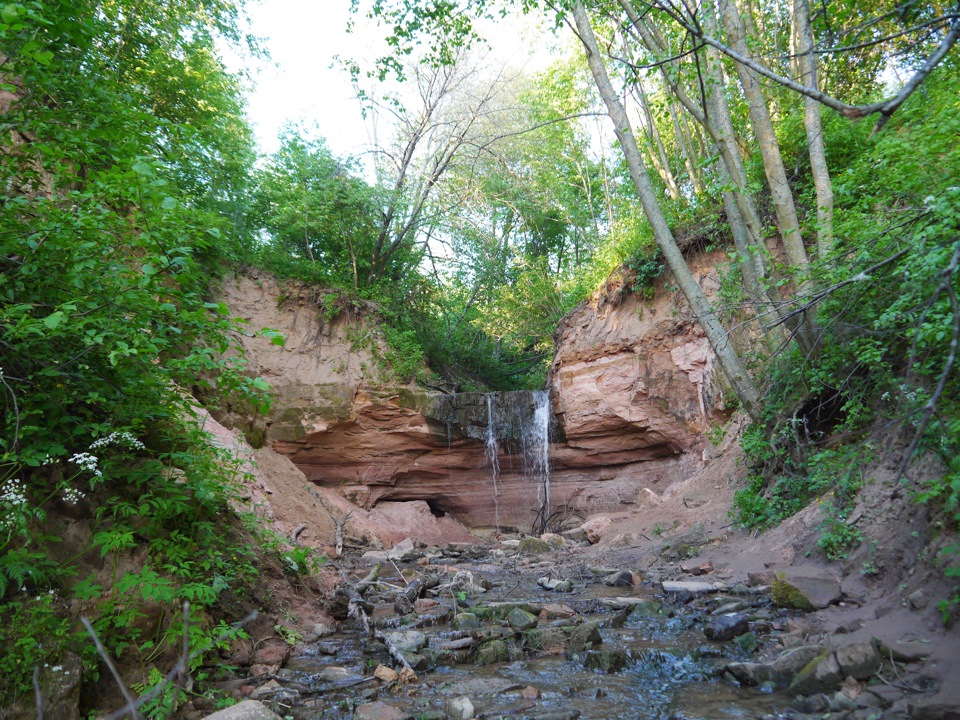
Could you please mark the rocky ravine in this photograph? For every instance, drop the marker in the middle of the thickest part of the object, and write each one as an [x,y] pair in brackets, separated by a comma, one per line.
[633,392]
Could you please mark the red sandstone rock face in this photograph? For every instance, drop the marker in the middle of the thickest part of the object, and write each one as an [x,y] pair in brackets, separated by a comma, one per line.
[633,389]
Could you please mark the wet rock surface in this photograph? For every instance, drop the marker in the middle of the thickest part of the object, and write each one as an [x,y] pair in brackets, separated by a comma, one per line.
[490,640]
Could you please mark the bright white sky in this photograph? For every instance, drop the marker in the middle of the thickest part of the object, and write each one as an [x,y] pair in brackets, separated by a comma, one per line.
[303,38]
[299,84]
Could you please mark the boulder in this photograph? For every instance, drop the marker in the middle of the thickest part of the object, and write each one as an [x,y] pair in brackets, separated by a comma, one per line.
[521,620]
[584,637]
[606,661]
[493,651]
[404,551]
[859,660]
[750,673]
[806,588]
[820,675]
[726,627]
[386,674]
[465,621]
[596,528]
[407,641]
[553,540]
[460,708]
[645,608]
[621,578]
[246,710]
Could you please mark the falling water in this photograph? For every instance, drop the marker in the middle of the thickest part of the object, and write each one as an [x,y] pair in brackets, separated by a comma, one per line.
[536,454]
[492,455]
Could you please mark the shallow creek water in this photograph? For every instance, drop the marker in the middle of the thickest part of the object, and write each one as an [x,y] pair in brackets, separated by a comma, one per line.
[659,666]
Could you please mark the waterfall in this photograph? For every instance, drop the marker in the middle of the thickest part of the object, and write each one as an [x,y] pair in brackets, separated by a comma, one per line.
[536,455]
[513,428]
[492,456]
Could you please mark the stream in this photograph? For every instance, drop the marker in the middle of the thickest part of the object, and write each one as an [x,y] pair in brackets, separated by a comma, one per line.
[492,641]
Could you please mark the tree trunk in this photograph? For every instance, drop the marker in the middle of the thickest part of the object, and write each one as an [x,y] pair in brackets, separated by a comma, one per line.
[727,356]
[807,65]
[658,153]
[780,192]
[685,143]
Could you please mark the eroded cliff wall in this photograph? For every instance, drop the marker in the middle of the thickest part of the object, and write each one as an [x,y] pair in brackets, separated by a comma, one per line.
[633,390]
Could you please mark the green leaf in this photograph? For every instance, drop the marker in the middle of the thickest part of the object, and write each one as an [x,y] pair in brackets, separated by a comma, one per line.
[53,319]
[142,168]
[10,12]
[168,203]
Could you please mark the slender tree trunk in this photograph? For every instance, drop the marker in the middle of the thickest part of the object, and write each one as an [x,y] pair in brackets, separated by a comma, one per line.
[686,150]
[780,191]
[658,153]
[715,119]
[727,356]
[807,65]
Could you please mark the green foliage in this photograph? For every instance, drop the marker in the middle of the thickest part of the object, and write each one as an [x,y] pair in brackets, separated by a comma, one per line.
[646,268]
[403,358]
[124,144]
[317,214]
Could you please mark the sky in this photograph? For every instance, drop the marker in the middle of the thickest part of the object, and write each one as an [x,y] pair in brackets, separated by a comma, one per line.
[303,37]
[299,83]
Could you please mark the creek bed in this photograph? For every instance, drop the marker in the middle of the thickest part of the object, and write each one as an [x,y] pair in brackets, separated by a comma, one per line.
[583,659]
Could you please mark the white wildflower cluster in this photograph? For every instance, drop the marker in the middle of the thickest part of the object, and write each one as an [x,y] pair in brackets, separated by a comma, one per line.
[118,438]
[13,497]
[71,495]
[87,462]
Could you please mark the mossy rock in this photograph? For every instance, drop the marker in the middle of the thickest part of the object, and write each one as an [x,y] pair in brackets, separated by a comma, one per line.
[786,595]
[466,621]
[550,640]
[534,546]
[747,642]
[521,620]
[492,652]
[584,637]
[607,661]
[645,609]
[501,612]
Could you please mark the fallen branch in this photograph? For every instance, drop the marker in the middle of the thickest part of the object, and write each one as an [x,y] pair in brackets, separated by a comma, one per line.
[357,608]
[403,603]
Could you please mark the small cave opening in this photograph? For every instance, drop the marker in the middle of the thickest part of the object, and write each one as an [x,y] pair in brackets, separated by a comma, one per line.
[435,509]
[818,415]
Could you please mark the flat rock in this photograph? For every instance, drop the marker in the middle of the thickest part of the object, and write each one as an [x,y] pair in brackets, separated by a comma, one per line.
[806,588]
[691,586]
[484,686]
[379,711]
[246,710]
[533,546]
[404,551]
[408,641]
[621,602]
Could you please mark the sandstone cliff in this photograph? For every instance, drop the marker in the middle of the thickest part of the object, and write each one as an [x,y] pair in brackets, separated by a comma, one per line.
[633,389]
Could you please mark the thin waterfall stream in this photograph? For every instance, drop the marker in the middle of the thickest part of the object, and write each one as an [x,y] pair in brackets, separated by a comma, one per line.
[536,453]
[492,455]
